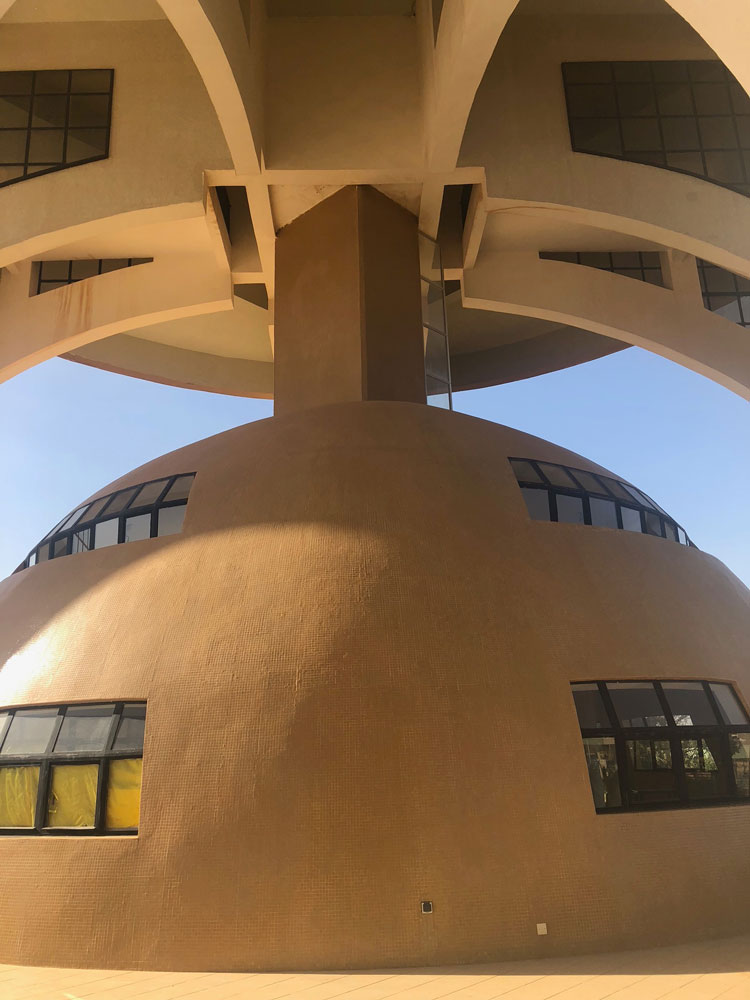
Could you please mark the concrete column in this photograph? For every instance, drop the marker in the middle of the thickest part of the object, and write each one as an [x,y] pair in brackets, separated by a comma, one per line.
[348,320]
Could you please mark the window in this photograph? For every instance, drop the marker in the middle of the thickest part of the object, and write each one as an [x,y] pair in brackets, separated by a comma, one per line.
[149,510]
[72,769]
[639,264]
[665,744]
[53,119]
[54,273]
[725,293]
[437,369]
[557,493]
[688,116]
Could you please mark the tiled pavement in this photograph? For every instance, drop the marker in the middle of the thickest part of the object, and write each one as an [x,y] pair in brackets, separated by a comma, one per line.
[704,971]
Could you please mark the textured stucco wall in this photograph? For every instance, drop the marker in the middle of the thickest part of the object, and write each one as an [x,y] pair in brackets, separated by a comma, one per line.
[357,661]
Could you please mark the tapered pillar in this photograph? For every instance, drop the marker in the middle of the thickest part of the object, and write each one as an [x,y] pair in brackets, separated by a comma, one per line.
[347,322]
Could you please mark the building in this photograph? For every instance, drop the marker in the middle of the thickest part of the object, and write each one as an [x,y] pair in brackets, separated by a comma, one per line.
[371,683]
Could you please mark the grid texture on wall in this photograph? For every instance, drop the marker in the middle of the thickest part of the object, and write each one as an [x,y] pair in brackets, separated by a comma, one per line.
[725,293]
[54,273]
[559,493]
[643,265]
[689,116]
[53,119]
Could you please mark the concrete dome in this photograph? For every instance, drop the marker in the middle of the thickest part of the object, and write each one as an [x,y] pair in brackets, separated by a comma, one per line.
[357,661]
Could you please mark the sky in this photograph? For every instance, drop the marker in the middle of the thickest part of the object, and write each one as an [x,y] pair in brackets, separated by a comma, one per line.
[67,430]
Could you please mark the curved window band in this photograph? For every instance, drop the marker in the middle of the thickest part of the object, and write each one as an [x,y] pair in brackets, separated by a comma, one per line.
[558,493]
[692,117]
[147,510]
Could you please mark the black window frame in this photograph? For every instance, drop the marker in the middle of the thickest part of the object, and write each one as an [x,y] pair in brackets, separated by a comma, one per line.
[59,542]
[740,291]
[40,170]
[53,283]
[672,733]
[48,758]
[639,272]
[648,513]
[696,73]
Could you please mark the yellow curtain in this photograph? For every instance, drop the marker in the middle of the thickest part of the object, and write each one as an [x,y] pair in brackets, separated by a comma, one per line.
[18,788]
[124,794]
[72,795]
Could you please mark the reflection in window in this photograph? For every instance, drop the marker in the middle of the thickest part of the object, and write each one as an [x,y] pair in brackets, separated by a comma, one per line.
[54,273]
[724,292]
[639,264]
[688,116]
[664,744]
[437,367]
[52,119]
[129,515]
[558,493]
[86,762]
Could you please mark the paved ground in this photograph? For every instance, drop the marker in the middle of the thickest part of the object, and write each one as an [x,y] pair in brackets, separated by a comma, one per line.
[704,971]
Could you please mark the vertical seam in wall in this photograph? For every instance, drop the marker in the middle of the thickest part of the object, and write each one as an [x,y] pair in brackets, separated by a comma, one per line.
[362,296]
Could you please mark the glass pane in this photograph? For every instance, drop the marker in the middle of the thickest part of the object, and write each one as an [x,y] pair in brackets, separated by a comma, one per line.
[95,508]
[432,306]
[4,716]
[130,730]
[14,112]
[84,728]
[557,475]
[601,760]
[705,768]
[89,110]
[653,523]
[537,504]
[569,509]
[681,536]
[91,81]
[436,354]
[120,500]
[82,540]
[137,527]
[650,776]
[106,533]
[49,111]
[149,493]
[51,81]
[615,488]
[46,146]
[84,268]
[30,731]
[590,707]
[180,488]
[59,547]
[631,519]
[85,144]
[170,520]
[18,791]
[603,513]
[437,392]
[689,704]
[589,482]
[637,495]
[636,704]
[739,747]
[525,471]
[731,711]
[123,794]
[72,795]
[671,531]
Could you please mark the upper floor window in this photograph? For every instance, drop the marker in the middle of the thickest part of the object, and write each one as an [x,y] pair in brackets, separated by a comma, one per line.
[54,273]
[663,743]
[71,768]
[148,510]
[53,119]
[690,116]
[724,292]
[643,265]
[558,493]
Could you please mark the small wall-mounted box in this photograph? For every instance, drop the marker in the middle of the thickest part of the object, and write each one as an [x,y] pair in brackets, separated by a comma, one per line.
[426,906]
[541,929]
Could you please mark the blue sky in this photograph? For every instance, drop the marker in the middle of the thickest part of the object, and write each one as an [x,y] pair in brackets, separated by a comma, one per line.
[66,430]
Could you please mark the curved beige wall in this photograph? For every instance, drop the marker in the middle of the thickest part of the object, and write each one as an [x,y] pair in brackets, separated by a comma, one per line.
[164,133]
[520,107]
[357,661]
